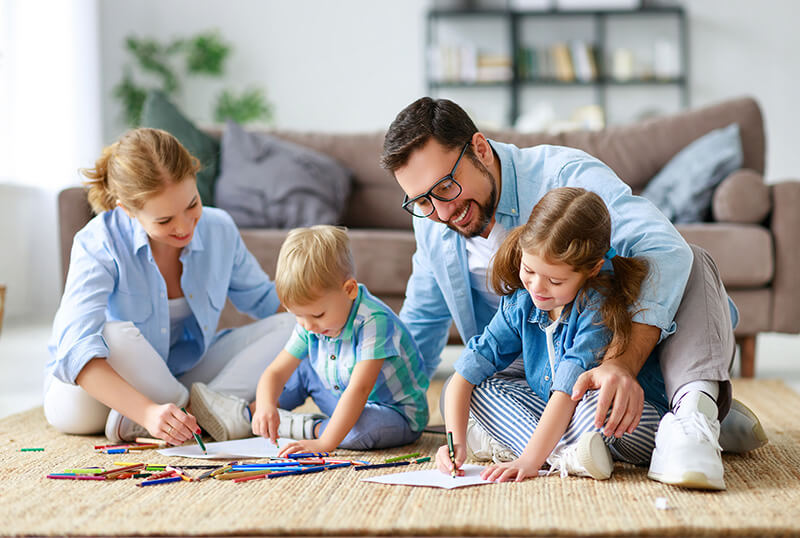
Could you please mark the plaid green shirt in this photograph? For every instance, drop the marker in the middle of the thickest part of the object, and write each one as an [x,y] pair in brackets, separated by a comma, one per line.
[372,331]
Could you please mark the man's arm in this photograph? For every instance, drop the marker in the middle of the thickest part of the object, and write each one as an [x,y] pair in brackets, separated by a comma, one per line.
[616,380]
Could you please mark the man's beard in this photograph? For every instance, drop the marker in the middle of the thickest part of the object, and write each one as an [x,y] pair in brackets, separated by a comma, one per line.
[485,210]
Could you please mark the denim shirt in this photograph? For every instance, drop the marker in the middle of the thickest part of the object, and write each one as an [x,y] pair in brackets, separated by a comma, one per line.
[439,291]
[518,328]
[113,277]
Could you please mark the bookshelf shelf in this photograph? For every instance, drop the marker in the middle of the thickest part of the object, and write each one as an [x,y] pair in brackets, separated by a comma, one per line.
[583,62]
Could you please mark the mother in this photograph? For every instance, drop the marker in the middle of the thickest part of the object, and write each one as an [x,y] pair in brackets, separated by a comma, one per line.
[147,280]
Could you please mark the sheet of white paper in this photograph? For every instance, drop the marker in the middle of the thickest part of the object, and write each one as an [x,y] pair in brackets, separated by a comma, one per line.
[253,447]
[434,478]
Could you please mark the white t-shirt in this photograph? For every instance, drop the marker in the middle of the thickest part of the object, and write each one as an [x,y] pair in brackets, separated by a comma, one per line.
[178,312]
[479,254]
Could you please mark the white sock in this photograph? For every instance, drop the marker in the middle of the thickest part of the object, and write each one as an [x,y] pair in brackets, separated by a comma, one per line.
[697,396]
[248,415]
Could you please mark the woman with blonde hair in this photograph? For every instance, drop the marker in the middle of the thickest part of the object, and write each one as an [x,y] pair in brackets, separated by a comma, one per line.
[148,278]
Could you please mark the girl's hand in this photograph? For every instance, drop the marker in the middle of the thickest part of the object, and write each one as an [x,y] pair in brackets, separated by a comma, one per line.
[517,470]
[169,423]
[266,421]
[443,462]
[306,445]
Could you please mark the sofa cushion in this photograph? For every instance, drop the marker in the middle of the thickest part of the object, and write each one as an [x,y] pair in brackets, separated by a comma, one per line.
[742,197]
[266,182]
[743,252]
[159,113]
[682,190]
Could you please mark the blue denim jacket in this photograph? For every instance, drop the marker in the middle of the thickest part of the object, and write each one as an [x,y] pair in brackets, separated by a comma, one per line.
[439,288]
[113,277]
[518,328]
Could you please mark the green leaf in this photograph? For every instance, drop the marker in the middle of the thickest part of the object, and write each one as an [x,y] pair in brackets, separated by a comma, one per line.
[251,105]
[132,98]
[206,54]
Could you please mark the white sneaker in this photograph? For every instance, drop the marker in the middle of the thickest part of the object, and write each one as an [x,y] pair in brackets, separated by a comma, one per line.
[588,457]
[297,425]
[687,451]
[483,447]
[223,416]
[741,431]
[120,428]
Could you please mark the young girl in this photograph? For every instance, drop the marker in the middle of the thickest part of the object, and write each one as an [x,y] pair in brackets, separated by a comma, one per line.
[561,312]
[147,280]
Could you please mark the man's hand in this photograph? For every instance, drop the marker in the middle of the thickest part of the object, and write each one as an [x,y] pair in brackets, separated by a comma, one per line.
[619,390]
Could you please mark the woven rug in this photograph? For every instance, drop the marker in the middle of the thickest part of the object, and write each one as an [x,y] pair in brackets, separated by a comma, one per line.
[762,499]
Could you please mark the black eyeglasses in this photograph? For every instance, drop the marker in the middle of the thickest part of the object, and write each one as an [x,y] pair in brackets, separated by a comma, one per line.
[446,189]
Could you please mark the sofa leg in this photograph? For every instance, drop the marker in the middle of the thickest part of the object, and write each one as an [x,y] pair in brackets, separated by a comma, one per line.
[747,352]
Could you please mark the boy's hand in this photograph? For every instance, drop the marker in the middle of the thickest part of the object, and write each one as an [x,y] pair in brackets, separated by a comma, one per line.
[443,462]
[266,421]
[517,470]
[306,445]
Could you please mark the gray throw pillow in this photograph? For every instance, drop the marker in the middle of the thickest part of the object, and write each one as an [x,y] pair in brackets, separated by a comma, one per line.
[682,190]
[266,182]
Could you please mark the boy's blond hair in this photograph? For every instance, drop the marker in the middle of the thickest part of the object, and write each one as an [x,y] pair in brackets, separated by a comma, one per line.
[312,261]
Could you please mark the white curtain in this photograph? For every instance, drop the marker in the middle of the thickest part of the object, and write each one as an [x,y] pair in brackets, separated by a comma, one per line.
[50,125]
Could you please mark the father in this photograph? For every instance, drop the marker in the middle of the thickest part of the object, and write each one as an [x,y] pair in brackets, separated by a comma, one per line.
[468,192]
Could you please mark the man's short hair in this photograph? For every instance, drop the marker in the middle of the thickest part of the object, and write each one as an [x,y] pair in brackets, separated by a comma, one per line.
[425,118]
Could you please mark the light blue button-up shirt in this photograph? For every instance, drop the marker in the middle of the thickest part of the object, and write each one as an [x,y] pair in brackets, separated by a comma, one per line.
[113,277]
[518,328]
[439,288]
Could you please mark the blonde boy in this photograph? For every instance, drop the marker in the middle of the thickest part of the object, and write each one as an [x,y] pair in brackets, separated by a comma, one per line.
[349,352]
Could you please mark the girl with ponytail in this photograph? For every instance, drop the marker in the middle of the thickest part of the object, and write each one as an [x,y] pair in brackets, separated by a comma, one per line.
[567,298]
[148,277]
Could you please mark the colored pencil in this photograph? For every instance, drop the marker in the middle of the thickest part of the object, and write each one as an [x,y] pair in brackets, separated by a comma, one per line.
[451,450]
[297,455]
[62,476]
[31,450]
[300,471]
[160,481]
[196,436]
[400,458]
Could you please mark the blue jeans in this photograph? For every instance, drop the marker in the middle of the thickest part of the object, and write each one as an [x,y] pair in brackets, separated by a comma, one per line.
[379,426]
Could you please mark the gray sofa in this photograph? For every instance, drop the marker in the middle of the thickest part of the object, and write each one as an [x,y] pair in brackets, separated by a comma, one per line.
[756,242]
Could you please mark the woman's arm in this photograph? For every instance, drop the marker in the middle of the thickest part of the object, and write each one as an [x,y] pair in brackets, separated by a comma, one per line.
[265,418]
[348,409]
[555,419]
[165,421]
[456,414]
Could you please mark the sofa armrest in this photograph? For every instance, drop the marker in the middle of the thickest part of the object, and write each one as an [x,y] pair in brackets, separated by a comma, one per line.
[74,212]
[785,225]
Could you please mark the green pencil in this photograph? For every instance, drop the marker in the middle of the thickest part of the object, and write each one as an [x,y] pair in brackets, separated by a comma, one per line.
[196,436]
[400,458]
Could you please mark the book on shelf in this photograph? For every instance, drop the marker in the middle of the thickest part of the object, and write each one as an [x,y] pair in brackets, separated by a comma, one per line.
[564,68]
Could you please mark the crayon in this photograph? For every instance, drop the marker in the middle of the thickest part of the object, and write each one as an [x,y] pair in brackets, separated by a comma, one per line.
[196,436]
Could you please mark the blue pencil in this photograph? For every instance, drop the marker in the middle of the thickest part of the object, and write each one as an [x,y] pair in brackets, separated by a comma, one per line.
[309,455]
[315,469]
[160,481]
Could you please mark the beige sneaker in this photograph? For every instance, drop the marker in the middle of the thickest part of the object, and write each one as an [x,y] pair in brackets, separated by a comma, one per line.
[223,416]
[297,425]
[741,431]
[588,457]
[482,447]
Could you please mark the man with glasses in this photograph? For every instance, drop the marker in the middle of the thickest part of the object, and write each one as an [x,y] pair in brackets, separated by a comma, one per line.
[466,192]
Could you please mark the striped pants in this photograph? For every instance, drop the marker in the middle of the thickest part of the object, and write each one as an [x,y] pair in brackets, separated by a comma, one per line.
[508,409]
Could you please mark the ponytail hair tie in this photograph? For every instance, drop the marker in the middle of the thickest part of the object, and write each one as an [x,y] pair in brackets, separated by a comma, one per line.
[610,253]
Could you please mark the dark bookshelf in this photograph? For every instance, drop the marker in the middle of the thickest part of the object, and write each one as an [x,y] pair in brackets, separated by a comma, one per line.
[513,20]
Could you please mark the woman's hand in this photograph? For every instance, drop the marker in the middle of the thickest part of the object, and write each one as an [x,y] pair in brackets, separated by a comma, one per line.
[266,421]
[306,445]
[443,462]
[168,422]
[517,470]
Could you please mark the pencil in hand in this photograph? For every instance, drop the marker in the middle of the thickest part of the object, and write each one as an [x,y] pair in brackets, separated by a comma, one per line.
[452,452]
[196,436]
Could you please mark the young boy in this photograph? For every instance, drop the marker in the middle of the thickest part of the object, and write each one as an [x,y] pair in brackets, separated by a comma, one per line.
[349,352]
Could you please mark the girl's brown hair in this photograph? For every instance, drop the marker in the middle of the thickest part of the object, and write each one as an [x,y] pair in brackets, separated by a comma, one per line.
[136,167]
[572,226]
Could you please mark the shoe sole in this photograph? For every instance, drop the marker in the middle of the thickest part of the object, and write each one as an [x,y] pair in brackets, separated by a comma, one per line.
[595,457]
[206,419]
[689,479]
[737,439]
